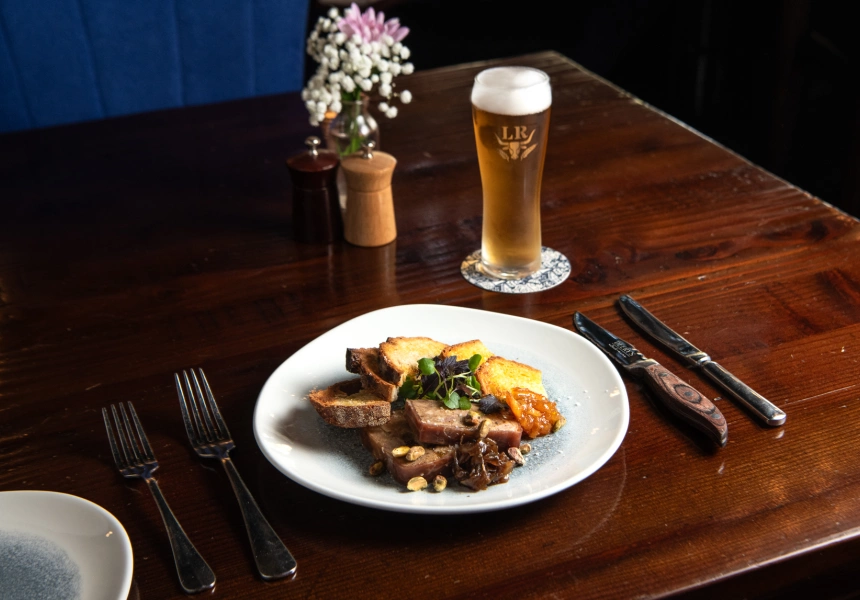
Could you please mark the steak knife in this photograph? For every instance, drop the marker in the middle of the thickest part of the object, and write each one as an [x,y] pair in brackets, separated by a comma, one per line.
[762,408]
[678,396]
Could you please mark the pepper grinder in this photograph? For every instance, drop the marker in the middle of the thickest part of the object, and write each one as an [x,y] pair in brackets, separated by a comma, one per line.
[369,219]
[316,208]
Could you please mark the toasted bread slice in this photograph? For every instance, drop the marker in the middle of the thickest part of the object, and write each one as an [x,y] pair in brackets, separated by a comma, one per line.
[365,362]
[346,404]
[498,375]
[466,350]
[399,356]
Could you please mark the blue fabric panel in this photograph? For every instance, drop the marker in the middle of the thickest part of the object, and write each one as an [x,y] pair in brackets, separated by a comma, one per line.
[215,43]
[64,61]
[280,28]
[48,43]
[13,104]
[136,55]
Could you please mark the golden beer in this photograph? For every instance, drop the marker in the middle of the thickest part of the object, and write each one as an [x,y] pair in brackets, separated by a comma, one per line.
[510,113]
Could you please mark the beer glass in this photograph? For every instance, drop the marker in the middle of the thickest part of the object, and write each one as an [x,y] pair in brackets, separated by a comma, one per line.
[510,113]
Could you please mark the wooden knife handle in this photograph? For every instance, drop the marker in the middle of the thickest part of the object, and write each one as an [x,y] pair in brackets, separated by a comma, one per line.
[686,402]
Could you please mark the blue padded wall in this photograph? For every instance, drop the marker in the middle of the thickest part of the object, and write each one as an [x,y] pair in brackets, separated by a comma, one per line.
[64,61]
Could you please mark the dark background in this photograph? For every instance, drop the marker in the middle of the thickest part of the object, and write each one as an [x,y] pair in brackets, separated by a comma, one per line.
[774,81]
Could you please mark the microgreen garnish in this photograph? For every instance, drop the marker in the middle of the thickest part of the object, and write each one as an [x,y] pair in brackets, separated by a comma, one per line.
[448,380]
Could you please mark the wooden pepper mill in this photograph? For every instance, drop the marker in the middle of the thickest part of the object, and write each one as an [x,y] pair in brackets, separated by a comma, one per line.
[369,219]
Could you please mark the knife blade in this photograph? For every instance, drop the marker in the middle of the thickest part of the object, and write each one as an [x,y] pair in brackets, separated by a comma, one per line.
[761,407]
[678,396]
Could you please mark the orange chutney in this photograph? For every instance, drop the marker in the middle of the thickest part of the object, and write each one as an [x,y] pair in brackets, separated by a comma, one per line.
[536,413]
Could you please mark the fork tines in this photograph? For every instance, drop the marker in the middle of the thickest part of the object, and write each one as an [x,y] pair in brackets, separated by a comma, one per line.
[206,428]
[131,453]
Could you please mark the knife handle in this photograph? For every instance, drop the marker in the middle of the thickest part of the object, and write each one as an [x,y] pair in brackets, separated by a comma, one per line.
[686,402]
[758,404]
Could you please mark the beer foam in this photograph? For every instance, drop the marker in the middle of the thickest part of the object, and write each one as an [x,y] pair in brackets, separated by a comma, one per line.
[512,91]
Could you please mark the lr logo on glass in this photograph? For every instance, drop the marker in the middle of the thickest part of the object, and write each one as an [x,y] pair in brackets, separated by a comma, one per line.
[515,143]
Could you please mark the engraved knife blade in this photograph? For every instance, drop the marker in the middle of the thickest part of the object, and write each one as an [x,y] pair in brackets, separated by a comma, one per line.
[677,395]
[760,407]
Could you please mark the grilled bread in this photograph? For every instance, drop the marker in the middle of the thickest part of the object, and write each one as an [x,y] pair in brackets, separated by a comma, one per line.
[399,356]
[365,362]
[466,350]
[347,404]
[498,375]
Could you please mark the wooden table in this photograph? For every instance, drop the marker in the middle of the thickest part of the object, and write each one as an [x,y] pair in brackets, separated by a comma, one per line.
[135,247]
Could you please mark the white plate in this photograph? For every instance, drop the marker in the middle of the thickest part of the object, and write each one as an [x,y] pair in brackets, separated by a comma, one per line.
[586,387]
[55,546]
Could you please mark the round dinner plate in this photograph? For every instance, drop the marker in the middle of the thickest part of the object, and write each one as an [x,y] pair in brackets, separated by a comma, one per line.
[57,546]
[586,387]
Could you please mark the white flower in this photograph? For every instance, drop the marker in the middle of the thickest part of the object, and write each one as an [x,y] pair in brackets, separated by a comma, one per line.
[354,60]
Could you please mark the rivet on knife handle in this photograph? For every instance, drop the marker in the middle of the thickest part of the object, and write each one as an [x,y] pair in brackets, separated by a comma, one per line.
[757,403]
[686,402]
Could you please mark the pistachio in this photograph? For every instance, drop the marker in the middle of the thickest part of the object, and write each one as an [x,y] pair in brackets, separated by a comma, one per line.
[485,429]
[416,483]
[377,468]
[558,424]
[414,453]
[516,455]
[440,483]
[525,448]
[472,418]
[400,451]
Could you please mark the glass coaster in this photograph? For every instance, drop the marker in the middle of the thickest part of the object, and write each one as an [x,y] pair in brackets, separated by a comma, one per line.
[555,268]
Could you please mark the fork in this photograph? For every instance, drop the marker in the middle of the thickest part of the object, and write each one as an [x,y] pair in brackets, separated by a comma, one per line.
[138,461]
[210,438]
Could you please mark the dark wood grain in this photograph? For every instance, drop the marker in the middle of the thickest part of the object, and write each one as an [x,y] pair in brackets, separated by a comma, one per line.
[134,247]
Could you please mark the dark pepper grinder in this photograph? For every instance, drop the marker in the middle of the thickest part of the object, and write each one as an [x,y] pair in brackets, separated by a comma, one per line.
[316,209]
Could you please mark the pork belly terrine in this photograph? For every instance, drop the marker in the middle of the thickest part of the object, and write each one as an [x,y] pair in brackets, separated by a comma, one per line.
[433,423]
[383,439]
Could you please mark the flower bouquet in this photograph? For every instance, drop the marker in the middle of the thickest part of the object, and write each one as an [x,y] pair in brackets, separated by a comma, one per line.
[359,55]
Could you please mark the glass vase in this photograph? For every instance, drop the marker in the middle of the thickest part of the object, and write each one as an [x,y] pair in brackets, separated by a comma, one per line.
[347,132]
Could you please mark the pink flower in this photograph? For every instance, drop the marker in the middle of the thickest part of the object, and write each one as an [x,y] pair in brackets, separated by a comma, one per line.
[370,26]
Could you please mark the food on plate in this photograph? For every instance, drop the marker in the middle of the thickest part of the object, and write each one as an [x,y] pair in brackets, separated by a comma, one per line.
[499,375]
[536,413]
[365,362]
[466,350]
[428,411]
[399,356]
[347,404]
[383,440]
[435,424]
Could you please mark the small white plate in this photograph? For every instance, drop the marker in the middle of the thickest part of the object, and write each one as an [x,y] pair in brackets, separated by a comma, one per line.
[55,546]
[586,387]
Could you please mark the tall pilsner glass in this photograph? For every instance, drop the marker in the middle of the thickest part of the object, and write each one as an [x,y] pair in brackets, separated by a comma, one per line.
[510,112]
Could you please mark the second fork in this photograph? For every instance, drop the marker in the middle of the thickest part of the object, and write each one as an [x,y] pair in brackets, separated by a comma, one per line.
[210,438]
